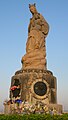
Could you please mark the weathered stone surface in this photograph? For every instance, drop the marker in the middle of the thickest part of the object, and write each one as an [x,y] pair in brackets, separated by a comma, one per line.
[35,56]
[28,78]
[34,83]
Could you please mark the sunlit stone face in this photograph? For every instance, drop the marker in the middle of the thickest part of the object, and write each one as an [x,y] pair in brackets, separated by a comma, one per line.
[32,8]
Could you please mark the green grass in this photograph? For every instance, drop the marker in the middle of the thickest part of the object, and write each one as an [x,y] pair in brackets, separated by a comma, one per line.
[34,117]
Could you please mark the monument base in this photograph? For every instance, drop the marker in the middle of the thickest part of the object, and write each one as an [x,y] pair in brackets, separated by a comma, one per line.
[33,91]
[27,108]
[34,86]
[56,108]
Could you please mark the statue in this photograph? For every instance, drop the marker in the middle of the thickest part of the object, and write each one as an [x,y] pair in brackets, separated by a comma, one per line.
[38,28]
[34,83]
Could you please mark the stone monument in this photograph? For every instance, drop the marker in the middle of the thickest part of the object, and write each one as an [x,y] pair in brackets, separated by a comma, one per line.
[34,83]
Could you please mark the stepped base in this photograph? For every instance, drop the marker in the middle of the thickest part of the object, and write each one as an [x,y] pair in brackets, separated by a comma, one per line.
[38,108]
[37,88]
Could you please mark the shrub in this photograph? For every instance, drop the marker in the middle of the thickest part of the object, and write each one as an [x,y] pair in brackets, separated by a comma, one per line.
[34,117]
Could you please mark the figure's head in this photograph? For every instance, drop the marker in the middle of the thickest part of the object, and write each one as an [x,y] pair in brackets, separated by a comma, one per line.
[32,8]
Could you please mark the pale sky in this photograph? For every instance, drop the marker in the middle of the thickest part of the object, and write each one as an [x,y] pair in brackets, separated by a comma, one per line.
[14,20]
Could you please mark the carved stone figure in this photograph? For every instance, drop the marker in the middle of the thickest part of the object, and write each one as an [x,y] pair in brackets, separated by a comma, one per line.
[35,56]
[34,88]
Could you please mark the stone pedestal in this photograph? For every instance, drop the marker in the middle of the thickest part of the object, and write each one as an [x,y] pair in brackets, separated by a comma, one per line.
[36,85]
